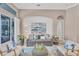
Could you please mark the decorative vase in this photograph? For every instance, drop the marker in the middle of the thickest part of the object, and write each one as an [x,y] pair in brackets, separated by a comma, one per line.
[40,50]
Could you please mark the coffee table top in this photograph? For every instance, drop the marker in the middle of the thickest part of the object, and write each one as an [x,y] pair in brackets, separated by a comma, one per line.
[27,51]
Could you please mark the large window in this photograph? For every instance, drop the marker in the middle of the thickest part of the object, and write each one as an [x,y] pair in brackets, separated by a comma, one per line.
[5,29]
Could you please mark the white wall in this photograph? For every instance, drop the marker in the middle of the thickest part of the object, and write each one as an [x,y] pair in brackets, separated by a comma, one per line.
[72,24]
[31,19]
[53,14]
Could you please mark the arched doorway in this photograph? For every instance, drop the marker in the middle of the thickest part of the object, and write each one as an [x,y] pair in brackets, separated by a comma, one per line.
[60,27]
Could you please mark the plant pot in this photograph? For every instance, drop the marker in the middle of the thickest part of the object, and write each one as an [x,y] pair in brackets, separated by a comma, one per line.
[22,42]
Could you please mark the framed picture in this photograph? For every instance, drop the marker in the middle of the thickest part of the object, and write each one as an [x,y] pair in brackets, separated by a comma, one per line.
[38,27]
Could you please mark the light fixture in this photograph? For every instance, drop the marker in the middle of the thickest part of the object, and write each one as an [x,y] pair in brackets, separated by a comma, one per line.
[38,5]
[60,17]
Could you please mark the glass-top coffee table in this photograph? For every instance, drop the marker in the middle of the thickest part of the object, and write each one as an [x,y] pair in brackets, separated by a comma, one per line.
[27,51]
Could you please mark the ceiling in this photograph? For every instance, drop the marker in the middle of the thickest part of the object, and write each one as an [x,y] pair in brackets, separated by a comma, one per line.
[58,6]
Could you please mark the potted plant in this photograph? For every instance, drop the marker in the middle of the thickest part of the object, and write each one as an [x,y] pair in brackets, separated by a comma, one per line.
[21,37]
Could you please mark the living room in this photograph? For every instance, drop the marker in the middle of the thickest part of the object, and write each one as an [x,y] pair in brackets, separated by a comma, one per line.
[39,29]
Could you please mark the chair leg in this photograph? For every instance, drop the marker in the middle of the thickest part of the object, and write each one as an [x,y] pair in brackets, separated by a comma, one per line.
[1,53]
[78,53]
[14,52]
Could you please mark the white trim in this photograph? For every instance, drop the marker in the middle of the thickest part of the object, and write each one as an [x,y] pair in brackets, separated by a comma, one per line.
[0,28]
[70,6]
[12,7]
[15,37]
[74,5]
[16,31]
[6,13]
